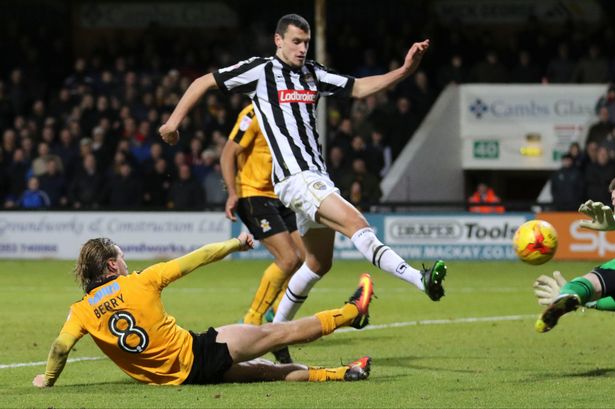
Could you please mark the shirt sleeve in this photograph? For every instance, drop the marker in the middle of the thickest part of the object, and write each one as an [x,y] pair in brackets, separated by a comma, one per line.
[250,134]
[240,78]
[73,325]
[332,83]
[161,275]
[58,355]
[243,132]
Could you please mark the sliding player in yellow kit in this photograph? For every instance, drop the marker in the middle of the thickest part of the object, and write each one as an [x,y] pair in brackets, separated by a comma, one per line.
[124,315]
[246,168]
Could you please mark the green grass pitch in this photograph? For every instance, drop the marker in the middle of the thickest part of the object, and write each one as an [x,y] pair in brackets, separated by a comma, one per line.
[476,348]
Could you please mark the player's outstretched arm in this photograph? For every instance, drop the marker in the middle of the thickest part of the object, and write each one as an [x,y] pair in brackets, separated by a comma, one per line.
[601,216]
[228,166]
[169,131]
[369,85]
[214,252]
[58,354]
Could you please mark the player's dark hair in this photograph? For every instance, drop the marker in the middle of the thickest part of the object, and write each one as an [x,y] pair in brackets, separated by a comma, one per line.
[612,186]
[92,260]
[291,19]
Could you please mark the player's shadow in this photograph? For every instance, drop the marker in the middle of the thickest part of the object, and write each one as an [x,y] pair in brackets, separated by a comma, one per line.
[412,362]
[593,373]
[328,342]
[606,372]
[126,382]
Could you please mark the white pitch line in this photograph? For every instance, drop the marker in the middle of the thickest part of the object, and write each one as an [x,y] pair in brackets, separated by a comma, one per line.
[441,322]
[22,364]
[244,289]
[368,328]
[344,291]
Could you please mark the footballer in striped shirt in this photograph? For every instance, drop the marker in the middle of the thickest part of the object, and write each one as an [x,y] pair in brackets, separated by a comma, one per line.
[285,89]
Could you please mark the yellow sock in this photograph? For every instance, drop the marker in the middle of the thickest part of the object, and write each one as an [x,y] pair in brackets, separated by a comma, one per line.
[278,300]
[327,374]
[340,317]
[267,291]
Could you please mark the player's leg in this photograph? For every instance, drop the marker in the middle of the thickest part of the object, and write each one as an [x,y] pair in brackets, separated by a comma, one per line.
[286,261]
[291,223]
[318,249]
[303,193]
[273,286]
[318,243]
[270,314]
[264,219]
[290,252]
[290,219]
[596,285]
[296,237]
[246,342]
[261,370]
[340,215]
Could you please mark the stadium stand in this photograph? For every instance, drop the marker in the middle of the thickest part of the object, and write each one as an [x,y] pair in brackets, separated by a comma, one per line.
[72,96]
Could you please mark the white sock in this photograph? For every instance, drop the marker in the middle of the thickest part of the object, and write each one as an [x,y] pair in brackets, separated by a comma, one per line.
[299,286]
[384,257]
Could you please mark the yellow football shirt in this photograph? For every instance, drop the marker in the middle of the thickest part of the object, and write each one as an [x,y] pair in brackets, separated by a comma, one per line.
[254,162]
[128,322]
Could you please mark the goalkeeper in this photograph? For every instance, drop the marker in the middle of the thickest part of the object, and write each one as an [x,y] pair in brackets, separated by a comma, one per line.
[593,290]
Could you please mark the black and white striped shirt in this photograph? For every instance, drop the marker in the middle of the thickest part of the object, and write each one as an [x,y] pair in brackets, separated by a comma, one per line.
[285,101]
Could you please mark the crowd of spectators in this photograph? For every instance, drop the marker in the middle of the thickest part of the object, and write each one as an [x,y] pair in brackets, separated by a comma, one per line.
[587,171]
[84,135]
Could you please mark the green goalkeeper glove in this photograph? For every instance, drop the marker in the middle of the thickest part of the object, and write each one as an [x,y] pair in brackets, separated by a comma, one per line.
[601,216]
[546,289]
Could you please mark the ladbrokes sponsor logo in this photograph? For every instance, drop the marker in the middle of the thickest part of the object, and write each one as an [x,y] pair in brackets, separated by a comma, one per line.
[297,95]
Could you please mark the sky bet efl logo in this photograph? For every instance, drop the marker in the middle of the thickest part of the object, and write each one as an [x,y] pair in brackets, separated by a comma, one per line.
[305,96]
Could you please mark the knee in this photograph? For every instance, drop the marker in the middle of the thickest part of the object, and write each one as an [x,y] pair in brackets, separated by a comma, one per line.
[359,222]
[288,262]
[319,265]
[276,334]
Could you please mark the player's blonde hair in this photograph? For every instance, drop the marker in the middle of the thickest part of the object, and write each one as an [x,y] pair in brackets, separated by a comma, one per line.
[92,260]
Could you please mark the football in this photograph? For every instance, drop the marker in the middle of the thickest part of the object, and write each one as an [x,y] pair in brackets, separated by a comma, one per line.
[535,242]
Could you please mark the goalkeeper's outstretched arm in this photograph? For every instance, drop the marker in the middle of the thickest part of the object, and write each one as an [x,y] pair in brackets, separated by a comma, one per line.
[547,289]
[601,216]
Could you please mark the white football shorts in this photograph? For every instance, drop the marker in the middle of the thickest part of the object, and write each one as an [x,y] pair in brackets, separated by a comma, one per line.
[303,193]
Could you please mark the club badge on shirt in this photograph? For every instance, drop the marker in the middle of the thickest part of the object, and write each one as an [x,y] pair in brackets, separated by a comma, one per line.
[265,226]
[319,185]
